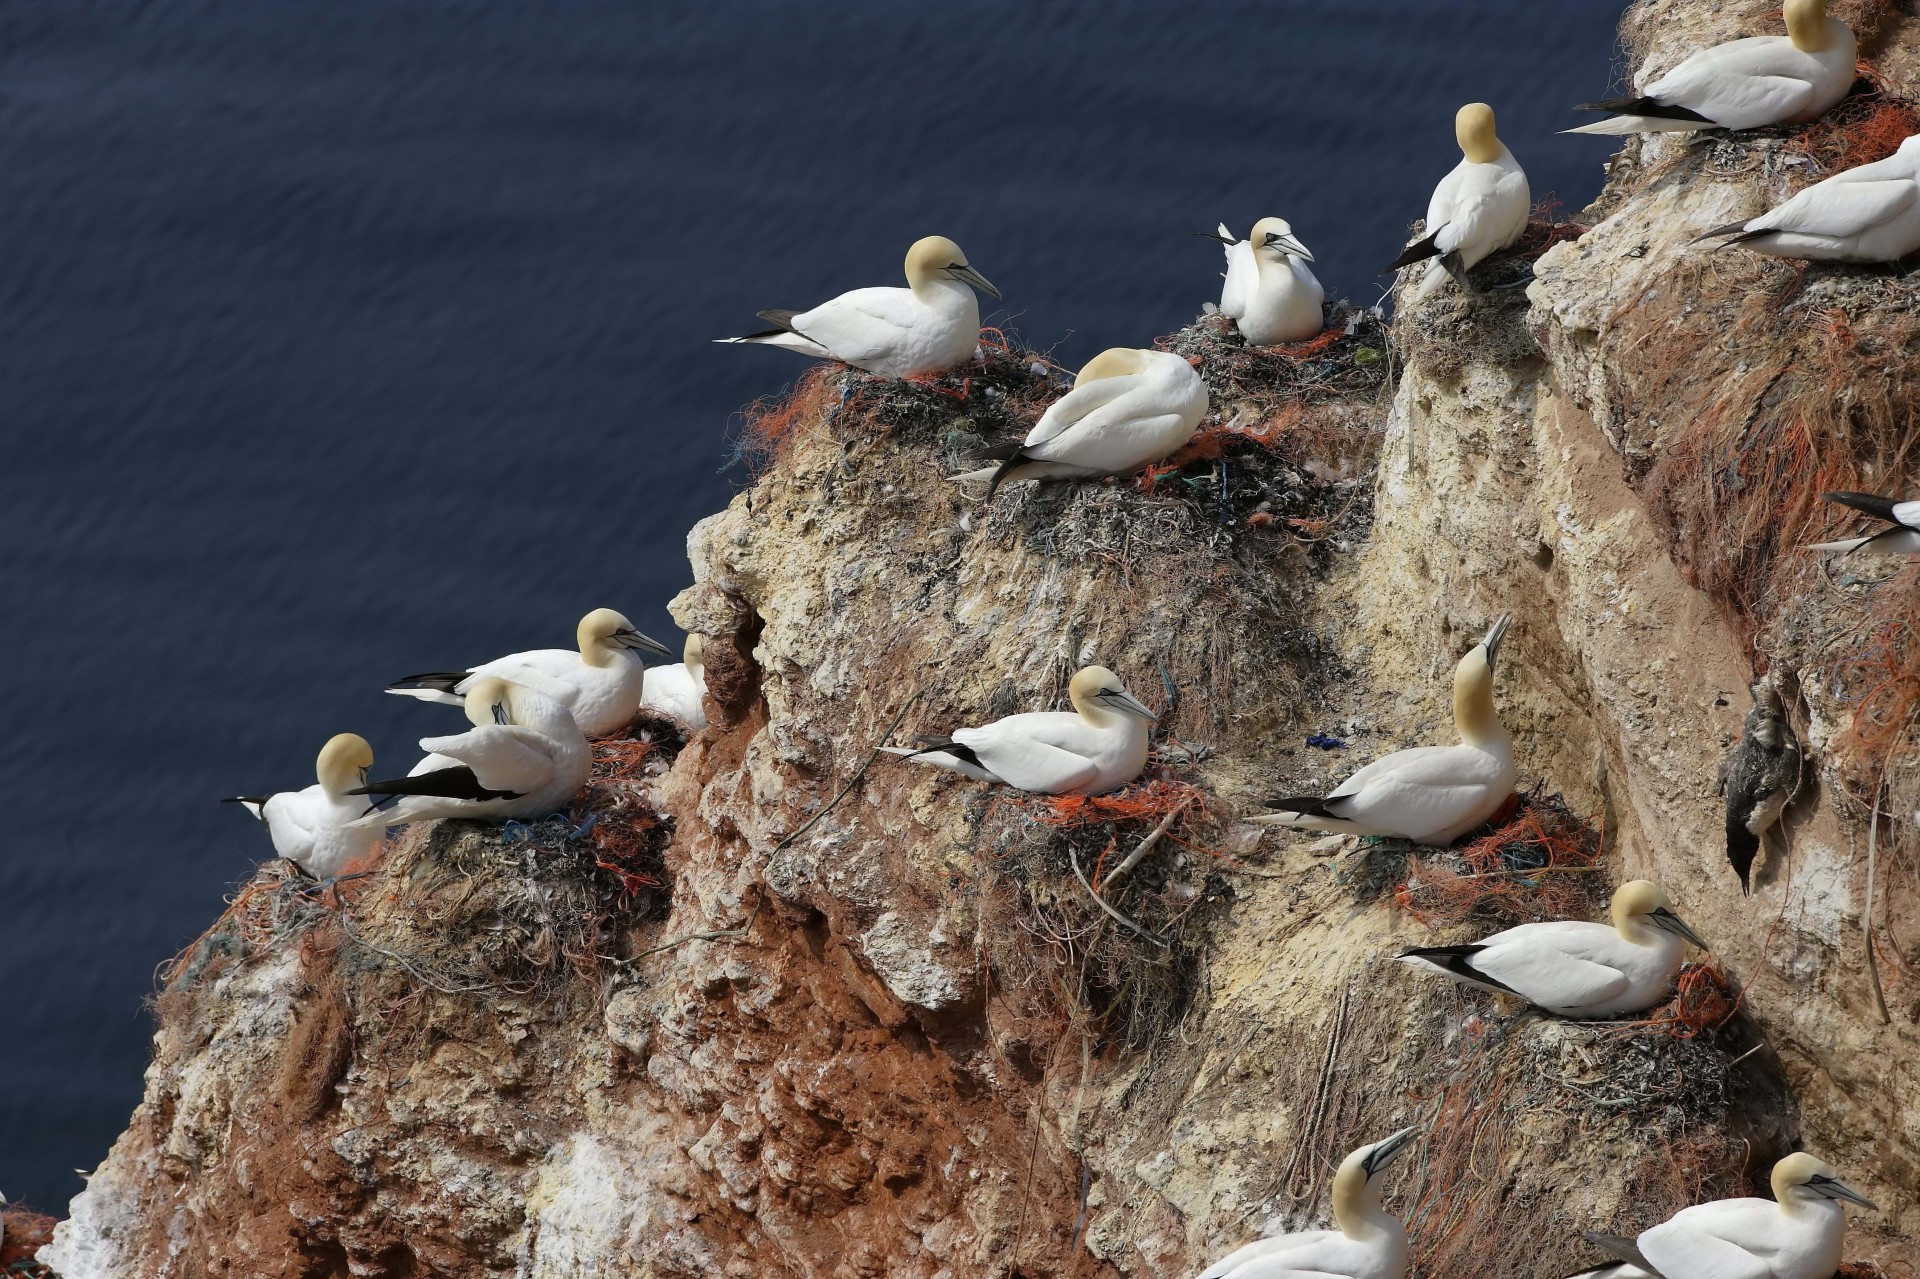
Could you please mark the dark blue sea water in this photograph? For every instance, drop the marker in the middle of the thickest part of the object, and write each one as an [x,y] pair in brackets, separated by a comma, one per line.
[341,339]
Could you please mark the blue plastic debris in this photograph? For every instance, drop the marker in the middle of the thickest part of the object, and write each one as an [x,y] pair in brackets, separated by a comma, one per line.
[1320,741]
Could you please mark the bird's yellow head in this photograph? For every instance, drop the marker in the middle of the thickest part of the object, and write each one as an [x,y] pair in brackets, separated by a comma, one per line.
[1473,129]
[1807,25]
[1097,694]
[935,257]
[1273,238]
[1800,1179]
[1641,904]
[1115,361]
[344,762]
[490,701]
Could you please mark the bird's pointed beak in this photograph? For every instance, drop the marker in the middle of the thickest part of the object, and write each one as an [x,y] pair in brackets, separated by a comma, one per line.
[967,275]
[1383,1153]
[1496,633]
[1664,918]
[635,640]
[1123,701]
[1834,1188]
[1287,244]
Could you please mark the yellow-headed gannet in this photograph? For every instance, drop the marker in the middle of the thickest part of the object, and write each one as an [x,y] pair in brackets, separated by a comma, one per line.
[1868,214]
[930,326]
[1900,537]
[314,828]
[600,684]
[527,761]
[1270,293]
[1744,84]
[1098,746]
[1758,778]
[1479,208]
[1367,1243]
[1128,408]
[679,691]
[1430,794]
[1575,969]
[1795,1235]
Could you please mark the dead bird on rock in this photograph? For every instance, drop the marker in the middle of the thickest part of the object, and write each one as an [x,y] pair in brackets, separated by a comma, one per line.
[1759,778]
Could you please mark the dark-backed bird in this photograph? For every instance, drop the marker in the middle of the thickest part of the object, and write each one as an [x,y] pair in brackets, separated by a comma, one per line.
[1430,794]
[1795,1235]
[314,828]
[930,326]
[600,684]
[1900,537]
[1743,84]
[1759,778]
[1480,207]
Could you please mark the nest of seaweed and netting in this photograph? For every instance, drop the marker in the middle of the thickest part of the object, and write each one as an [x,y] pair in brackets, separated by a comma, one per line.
[27,1232]
[1111,894]
[1488,322]
[1541,862]
[463,908]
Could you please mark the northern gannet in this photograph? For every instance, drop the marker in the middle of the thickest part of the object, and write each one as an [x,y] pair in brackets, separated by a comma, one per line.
[1098,746]
[1744,84]
[930,326]
[600,684]
[679,691]
[1868,214]
[1795,1235]
[1128,408]
[1479,208]
[1576,969]
[314,828]
[1900,537]
[1759,778]
[1368,1242]
[528,761]
[1270,293]
[1430,794]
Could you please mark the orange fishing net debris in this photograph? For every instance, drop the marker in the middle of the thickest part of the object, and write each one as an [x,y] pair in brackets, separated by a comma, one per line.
[1882,680]
[1703,1001]
[769,423]
[27,1233]
[1535,867]
[1149,802]
[629,838]
[1863,128]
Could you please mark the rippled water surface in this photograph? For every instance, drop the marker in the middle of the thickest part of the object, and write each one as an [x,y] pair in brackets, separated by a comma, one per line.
[348,339]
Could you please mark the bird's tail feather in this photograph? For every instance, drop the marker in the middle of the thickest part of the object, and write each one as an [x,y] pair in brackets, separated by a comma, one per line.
[1845,544]
[254,804]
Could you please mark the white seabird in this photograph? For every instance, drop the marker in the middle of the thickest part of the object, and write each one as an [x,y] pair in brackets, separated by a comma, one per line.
[679,691]
[1576,969]
[1128,408]
[314,828]
[1368,1242]
[600,684]
[528,761]
[1900,537]
[1098,746]
[930,326]
[1868,214]
[1479,208]
[1743,84]
[1795,1235]
[1429,794]
[1270,293]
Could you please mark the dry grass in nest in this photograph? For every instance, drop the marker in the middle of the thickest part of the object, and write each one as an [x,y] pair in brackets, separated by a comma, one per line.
[1126,971]
[1541,864]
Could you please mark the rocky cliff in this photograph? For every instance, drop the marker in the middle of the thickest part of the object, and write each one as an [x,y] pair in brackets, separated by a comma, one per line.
[766,1005]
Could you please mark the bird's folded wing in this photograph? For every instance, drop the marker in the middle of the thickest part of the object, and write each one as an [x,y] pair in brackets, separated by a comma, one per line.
[504,757]
[296,815]
[1259,1247]
[1076,406]
[1242,274]
[1733,89]
[1548,976]
[862,325]
[1030,765]
[1840,208]
[1685,1250]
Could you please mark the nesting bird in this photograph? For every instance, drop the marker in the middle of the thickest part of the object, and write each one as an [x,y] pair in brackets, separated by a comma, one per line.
[1128,408]
[525,757]
[314,828]
[1743,84]
[679,691]
[1430,794]
[1367,1242]
[600,684]
[1759,778]
[1479,208]
[1795,1235]
[1576,969]
[930,326]
[1098,746]
[1270,293]
[1868,214]
[1900,537]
